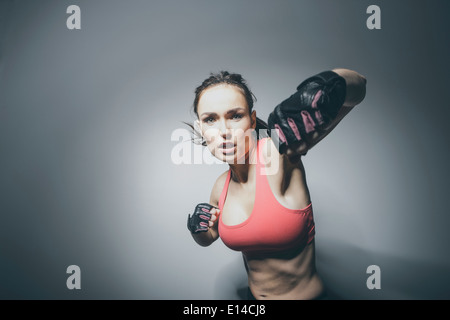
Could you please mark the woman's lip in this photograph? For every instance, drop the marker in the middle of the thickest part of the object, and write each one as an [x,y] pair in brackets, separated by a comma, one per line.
[224,148]
[228,145]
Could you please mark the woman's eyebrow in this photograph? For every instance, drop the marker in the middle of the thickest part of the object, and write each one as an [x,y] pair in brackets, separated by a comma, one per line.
[207,114]
[235,109]
[228,112]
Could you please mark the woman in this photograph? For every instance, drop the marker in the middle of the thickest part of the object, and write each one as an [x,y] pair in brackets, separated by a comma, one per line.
[261,205]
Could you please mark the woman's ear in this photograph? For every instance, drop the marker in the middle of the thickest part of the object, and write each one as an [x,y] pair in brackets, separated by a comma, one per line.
[253,117]
[197,126]
[198,130]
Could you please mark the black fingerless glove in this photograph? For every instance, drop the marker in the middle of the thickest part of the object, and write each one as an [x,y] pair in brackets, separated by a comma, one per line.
[315,104]
[198,222]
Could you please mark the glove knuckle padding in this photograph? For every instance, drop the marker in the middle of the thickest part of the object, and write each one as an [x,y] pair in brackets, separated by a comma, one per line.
[317,102]
[198,222]
[333,94]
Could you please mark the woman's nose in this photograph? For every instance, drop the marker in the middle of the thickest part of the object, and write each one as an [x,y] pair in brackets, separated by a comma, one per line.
[227,135]
[225,132]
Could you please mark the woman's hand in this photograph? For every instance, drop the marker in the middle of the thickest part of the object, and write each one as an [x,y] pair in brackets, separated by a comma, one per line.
[314,105]
[203,218]
[214,216]
[203,224]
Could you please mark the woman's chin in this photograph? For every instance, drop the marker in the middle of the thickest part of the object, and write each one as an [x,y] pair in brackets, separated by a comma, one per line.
[232,155]
[230,158]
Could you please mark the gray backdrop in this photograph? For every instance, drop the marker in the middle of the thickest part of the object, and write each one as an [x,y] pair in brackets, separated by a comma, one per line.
[86,117]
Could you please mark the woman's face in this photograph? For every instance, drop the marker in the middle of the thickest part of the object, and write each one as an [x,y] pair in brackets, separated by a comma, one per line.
[225,122]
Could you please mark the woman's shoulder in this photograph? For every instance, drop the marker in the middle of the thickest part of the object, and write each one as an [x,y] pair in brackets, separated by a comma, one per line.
[276,162]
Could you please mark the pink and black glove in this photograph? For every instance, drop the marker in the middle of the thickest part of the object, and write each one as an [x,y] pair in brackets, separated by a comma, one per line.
[315,104]
[199,221]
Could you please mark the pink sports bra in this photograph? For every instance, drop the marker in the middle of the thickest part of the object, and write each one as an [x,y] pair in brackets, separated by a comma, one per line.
[270,226]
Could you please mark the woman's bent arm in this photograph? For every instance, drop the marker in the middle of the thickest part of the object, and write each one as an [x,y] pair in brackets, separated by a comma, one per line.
[206,238]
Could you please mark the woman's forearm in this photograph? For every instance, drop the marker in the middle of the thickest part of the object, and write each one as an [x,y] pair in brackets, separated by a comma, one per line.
[356,86]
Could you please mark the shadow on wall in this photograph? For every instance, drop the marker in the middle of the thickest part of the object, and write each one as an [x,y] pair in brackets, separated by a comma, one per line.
[343,270]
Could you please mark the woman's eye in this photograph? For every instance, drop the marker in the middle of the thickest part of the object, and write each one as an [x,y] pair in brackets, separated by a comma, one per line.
[208,120]
[237,116]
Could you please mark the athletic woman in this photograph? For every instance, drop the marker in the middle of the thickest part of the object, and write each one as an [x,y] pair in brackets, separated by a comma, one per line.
[261,206]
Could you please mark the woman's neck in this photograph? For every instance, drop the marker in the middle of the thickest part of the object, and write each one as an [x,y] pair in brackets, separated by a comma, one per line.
[240,171]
